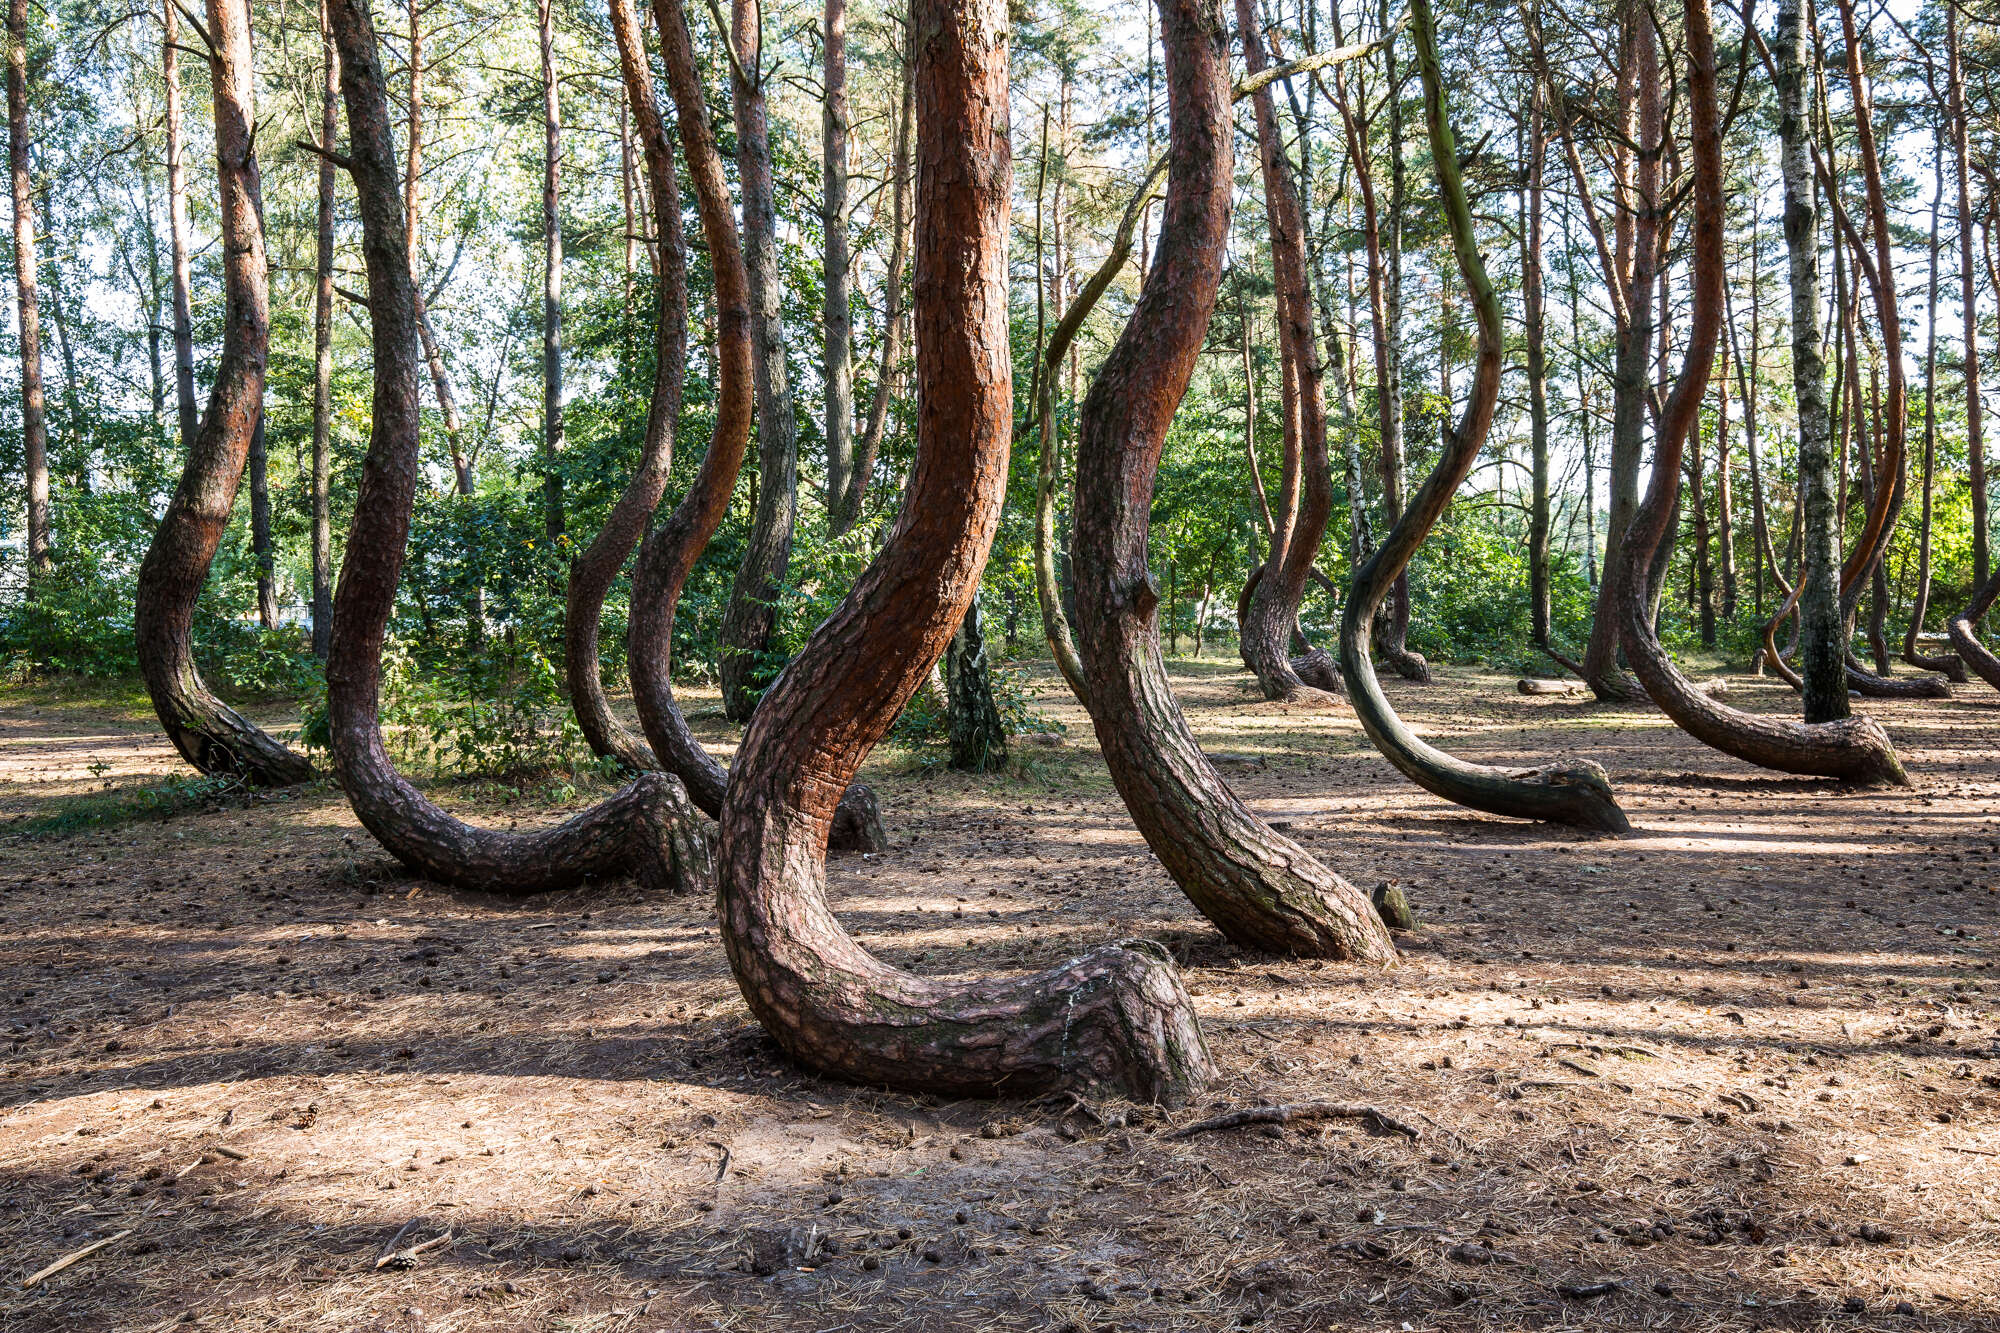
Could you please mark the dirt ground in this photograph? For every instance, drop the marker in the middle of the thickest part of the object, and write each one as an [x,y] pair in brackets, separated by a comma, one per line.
[1740,1070]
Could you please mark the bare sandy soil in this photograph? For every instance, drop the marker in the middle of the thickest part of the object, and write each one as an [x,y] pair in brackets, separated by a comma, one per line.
[1740,1070]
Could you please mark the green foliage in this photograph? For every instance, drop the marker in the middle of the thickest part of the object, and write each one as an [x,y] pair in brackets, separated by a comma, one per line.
[176,795]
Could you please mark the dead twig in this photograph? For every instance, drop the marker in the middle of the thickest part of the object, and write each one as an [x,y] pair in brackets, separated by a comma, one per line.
[1375,1116]
[405,1258]
[73,1257]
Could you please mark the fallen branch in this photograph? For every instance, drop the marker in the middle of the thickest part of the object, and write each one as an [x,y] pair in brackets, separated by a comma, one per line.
[75,1256]
[1375,1116]
[405,1258]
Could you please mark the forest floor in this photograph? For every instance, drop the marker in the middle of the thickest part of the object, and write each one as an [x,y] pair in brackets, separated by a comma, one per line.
[1739,1070]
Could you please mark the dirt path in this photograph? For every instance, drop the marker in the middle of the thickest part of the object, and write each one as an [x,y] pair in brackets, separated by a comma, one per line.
[1738,1071]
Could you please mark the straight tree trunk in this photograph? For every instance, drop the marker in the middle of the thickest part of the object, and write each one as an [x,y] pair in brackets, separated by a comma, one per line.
[413,209]
[751,618]
[1538,377]
[1920,602]
[647,828]
[1725,498]
[978,738]
[1975,436]
[1113,1022]
[322,437]
[34,414]
[177,227]
[1049,469]
[839,338]
[1395,628]
[1578,794]
[262,552]
[553,520]
[1702,580]
[893,316]
[208,733]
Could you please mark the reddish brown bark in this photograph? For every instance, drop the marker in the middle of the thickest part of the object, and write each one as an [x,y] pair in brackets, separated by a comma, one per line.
[648,827]
[1856,749]
[209,734]
[592,573]
[1260,888]
[1578,793]
[1116,1020]
[668,555]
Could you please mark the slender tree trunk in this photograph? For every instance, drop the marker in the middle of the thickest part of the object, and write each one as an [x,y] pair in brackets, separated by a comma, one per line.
[668,555]
[322,437]
[1395,629]
[1115,1021]
[34,415]
[262,552]
[593,572]
[413,208]
[1049,470]
[870,445]
[1578,794]
[1920,602]
[752,615]
[978,738]
[1856,749]
[839,367]
[209,734]
[1725,497]
[1822,626]
[648,827]
[1538,376]
[1975,436]
[553,519]
[1701,582]
[177,228]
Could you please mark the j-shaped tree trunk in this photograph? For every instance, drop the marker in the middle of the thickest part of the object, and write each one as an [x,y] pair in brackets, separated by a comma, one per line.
[1114,1021]
[34,416]
[207,732]
[1274,603]
[322,436]
[669,553]
[1856,749]
[1577,793]
[648,828]
[592,573]
[751,618]
[1260,888]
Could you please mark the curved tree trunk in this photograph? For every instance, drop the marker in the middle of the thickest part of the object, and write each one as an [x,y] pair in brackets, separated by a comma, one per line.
[668,555]
[1114,1021]
[648,827]
[1274,603]
[1578,793]
[1259,887]
[752,614]
[207,732]
[1964,631]
[1855,749]
[592,573]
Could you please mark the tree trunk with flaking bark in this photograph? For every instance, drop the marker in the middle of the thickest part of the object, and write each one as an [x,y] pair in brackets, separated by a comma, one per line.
[1260,888]
[751,619]
[668,555]
[1274,605]
[1579,793]
[1855,749]
[208,733]
[322,428]
[1116,1021]
[592,573]
[838,319]
[648,828]
[34,414]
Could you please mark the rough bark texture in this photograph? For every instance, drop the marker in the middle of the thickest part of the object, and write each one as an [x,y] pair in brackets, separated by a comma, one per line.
[262,553]
[593,572]
[752,615]
[207,732]
[322,438]
[177,227]
[978,739]
[1964,632]
[1274,605]
[839,333]
[1114,1021]
[552,262]
[1856,749]
[34,417]
[1822,628]
[1975,434]
[1578,793]
[1260,888]
[647,828]
[669,553]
